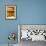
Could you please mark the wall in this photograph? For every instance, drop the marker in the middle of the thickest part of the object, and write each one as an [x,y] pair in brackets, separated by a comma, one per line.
[34,12]
[7,26]
[28,12]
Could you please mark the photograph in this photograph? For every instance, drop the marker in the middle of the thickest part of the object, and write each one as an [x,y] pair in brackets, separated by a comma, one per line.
[10,12]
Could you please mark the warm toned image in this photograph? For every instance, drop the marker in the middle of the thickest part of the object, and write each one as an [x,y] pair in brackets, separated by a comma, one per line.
[10,12]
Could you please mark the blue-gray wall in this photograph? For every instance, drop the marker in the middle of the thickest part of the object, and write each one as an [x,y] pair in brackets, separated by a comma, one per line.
[28,12]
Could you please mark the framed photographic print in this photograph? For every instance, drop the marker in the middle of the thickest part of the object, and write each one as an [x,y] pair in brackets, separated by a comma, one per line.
[10,11]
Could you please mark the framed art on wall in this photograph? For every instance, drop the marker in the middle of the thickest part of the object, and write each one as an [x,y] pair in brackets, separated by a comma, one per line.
[10,11]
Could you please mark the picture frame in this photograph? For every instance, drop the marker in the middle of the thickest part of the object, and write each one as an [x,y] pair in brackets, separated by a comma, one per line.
[10,12]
